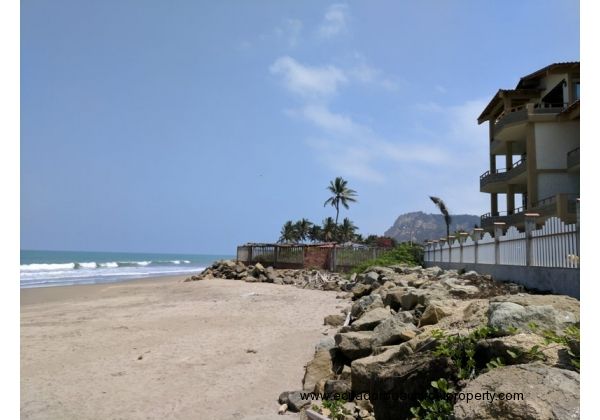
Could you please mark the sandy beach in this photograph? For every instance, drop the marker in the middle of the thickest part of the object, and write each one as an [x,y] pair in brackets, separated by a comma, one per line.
[161,348]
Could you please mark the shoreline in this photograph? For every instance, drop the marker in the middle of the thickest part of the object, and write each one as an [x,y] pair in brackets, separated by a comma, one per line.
[42,294]
[164,348]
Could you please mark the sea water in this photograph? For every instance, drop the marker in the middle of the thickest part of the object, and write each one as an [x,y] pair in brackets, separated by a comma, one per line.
[59,268]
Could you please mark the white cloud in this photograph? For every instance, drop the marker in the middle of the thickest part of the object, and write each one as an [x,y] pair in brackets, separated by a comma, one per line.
[367,74]
[335,21]
[290,29]
[308,81]
[354,149]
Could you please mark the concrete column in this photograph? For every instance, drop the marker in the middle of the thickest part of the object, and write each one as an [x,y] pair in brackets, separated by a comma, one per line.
[529,228]
[492,163]
[509,154]
[462,236]
[510,199]
[477,234]
[562,206]
[577,209]
[450,243]
[498,231]
[494,203]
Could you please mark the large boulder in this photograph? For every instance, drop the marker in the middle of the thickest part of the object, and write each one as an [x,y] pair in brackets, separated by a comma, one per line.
[355,345]
[505,315]
[318,369]
[365,304]
[519,348]
[559,302]
[364,369]
[434,313]
[393,331]
[406,382]
[371,319]
[359,290]
[537,392]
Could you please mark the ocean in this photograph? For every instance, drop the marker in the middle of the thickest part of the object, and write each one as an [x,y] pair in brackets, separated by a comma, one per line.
[60,268]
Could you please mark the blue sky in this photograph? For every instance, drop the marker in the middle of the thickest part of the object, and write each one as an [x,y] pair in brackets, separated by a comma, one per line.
[194,126]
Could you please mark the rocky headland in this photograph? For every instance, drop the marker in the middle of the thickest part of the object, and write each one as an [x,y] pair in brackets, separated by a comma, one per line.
[417,342]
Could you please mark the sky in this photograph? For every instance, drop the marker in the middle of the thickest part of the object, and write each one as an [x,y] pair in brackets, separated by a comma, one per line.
[192,127]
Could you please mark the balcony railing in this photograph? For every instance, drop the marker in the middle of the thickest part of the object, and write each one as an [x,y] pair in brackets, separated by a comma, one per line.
[521,113]
[573,158]
[545,207]
[503,175]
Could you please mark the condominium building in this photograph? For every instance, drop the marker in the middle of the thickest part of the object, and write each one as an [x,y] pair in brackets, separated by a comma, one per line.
[534,147]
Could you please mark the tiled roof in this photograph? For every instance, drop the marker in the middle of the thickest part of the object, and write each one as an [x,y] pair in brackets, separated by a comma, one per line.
[567,65]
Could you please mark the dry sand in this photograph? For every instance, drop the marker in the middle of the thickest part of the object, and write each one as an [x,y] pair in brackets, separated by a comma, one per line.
[166,349]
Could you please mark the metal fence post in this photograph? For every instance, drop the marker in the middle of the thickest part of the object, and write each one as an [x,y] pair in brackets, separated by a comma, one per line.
[529,228]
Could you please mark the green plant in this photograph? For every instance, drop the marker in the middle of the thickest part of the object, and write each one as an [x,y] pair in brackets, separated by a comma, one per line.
[437,405]
[570,339]
[404,253]
[336,408]
[461,349]
[495,363]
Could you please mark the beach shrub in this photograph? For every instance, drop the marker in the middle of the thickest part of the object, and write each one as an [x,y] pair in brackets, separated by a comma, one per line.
[405,253]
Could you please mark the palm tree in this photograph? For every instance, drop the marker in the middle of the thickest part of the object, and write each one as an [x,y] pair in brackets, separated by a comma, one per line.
[341,195]
[315,233]
[444,210]
[302,228]
[288,232]
[347,230]
[329,229]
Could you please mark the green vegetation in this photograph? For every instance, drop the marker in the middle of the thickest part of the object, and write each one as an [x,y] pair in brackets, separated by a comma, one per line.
[437,405]
[405,253]
[336,407]
[461,350]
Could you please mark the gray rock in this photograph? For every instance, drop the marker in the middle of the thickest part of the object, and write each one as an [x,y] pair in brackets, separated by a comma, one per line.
[547,393]
[393,331]
[334,320]
[360,290]
[371,277]
[371,319]
[503,315]
[364,369]
[433,314]
[295,402]
[366,303]
[334,386]
[393,298]
[326,343]
[319,368]
[411,377]
[355,345]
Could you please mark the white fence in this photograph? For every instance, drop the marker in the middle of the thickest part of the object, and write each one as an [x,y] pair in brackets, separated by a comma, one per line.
[553,245]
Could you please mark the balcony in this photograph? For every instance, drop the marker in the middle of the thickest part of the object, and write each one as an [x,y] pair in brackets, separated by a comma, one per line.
[573,160]
[496,181]
[508,125]
[561,205]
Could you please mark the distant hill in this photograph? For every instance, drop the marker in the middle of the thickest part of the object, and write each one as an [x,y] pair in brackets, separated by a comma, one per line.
[418,226]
